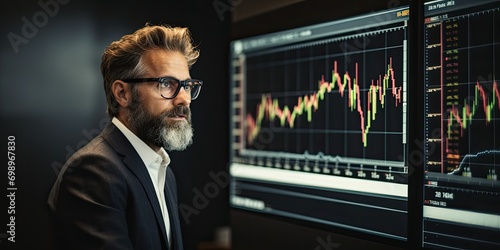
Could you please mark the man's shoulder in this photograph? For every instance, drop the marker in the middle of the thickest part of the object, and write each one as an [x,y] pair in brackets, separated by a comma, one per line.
[109,148]
[101,145]
[97,147]
[103,142]
[97,144]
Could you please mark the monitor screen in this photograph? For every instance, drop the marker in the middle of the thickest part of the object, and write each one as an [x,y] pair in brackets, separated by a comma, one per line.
[318,123]
[461,189]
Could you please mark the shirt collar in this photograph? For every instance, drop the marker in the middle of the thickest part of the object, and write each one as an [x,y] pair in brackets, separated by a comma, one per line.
[147,154]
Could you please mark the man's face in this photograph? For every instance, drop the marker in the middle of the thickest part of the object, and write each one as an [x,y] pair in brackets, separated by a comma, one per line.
[158,121]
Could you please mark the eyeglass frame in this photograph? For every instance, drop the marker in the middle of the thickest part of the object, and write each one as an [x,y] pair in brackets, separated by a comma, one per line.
[160,80]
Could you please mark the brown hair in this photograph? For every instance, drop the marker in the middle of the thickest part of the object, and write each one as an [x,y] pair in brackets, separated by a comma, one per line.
[122,59]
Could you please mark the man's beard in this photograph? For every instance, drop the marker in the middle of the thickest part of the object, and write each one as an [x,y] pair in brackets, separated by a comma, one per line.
[158,130]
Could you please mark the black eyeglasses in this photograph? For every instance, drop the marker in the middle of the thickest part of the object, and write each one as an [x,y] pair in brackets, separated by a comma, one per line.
[169,87]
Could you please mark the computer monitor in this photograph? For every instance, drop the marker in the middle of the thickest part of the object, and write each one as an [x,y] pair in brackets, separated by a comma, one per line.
[318,124]
[461,188]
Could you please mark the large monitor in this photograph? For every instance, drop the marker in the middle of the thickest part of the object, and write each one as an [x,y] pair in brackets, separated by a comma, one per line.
[461,205]
[319,124]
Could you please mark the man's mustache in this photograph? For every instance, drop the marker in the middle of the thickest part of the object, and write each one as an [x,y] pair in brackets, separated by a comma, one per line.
[178,111]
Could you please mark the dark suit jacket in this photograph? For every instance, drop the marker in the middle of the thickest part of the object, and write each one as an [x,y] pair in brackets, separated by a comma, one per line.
[104,199]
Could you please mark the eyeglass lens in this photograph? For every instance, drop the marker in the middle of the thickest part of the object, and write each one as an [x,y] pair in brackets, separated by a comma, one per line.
[170,87]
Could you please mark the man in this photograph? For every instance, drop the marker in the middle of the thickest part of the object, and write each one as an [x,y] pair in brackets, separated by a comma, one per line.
[118,192]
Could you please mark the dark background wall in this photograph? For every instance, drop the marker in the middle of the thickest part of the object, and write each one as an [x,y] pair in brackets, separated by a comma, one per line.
[52,100]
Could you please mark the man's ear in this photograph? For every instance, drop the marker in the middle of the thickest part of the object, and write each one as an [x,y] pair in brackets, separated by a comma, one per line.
[122,92]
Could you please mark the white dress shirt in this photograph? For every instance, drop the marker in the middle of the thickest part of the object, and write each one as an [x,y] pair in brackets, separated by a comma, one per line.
[156,163]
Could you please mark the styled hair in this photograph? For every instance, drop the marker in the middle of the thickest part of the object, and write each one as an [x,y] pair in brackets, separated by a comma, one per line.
[123,59]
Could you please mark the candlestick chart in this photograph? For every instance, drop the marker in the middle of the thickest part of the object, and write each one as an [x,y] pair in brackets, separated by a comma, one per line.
[462,93]
[333,100]
[318,116]
[348,87]
[462,125]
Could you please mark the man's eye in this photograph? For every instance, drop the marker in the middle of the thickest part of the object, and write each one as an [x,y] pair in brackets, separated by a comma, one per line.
[169,83]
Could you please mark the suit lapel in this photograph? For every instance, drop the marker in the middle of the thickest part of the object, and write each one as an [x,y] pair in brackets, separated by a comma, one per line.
[171,197]
[133,162]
